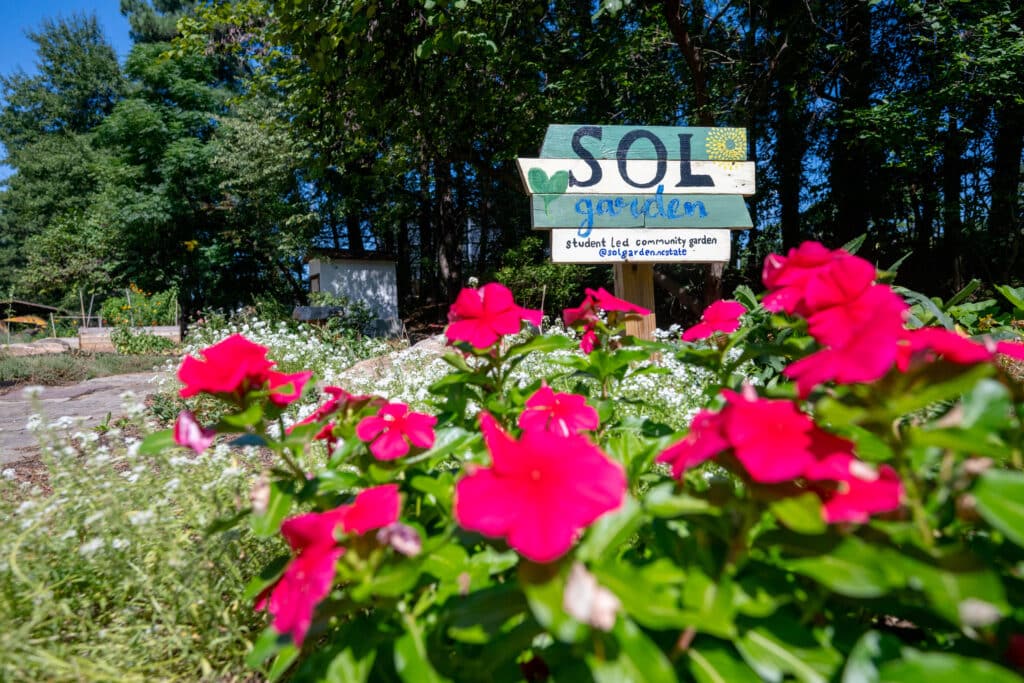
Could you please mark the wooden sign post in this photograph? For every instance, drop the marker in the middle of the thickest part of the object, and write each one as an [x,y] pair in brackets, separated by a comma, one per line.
[635,196]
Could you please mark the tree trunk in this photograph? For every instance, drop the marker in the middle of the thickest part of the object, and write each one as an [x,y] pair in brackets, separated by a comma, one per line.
[952,222]
[354,232]
[1004,218]
[850,170]
[449,256]
[789,161]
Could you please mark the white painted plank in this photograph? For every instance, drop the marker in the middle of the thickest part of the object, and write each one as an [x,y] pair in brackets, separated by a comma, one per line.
[641,246]
[562,176]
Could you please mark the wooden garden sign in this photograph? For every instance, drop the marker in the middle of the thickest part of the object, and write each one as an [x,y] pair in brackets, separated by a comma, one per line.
[634,196]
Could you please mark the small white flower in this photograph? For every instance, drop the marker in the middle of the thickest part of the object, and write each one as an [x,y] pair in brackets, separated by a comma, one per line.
[90,547]
[34,422]
[140,517]
[8,473]
[120,543]
[94,517]
[69,534]
[32,391]
[172,485]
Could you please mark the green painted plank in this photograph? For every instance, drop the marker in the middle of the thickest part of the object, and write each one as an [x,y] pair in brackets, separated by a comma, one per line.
[588,212]
[638,142]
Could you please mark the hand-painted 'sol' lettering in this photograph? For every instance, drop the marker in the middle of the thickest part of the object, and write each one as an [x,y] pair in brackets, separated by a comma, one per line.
[584,153]
[622,153]
[686,177]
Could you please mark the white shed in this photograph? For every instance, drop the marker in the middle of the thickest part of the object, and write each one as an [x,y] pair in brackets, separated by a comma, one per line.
[369,280]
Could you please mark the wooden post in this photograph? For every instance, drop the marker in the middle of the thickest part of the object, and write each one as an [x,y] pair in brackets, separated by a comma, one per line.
[634,282]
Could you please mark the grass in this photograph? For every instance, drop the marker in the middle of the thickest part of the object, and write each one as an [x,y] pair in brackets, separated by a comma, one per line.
[111,576]
[67,368]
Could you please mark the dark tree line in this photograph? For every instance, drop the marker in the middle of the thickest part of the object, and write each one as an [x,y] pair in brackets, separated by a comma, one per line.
[240,134]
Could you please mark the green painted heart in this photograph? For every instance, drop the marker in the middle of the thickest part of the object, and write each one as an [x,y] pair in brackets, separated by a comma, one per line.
[548,188]
[558,183]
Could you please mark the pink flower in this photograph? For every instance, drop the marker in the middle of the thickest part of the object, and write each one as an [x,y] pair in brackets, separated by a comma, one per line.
[191,434]
[394,428]
[771,438]
[1012,349]
[481,316]
[233,367]
[589,340]
[861,340]
[786,276]
[721,316]
[340,401]
[877,307]
[586,313]
[540,492]
[928,343]
[773,443]
[705,440]
[562,414]
[600,299]
[285,388]
[858,491]
[308,578]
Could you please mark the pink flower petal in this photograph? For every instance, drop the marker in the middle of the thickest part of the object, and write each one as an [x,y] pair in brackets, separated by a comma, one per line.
[191,434]
[373,508]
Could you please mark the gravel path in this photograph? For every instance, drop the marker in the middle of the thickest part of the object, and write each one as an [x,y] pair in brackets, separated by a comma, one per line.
[90,401]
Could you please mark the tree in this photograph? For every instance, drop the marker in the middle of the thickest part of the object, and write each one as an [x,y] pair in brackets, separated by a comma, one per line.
[46,124]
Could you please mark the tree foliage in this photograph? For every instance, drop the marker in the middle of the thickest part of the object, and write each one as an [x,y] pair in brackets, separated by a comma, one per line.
[241,134]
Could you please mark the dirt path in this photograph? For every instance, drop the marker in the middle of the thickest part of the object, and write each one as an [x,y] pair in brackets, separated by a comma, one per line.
[88,402]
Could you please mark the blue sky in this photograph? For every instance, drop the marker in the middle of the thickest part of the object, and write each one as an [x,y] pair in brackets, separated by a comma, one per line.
[17,17]
[20,16]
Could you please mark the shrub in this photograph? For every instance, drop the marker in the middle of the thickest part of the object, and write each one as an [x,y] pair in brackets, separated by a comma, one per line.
[113,574]
[138,308]
[842,505]
[139,343]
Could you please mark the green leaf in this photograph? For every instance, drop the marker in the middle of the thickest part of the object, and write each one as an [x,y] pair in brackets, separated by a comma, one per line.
[411,660]
[609,534]
[285,658]
[930,311]
[941,382]
[440,488]
[800,513]
[239,421]
[156,442]
[710,603]
[962,295]
[545,595]
[782,646]
[712,661]
[279,505]
[267,645]
[987,405]
[854,245]
[1015,295]
[541,344]
[942,667]
[481,615]
[655,604]
[863,662]
[390,580]
[348,667]
[1000,498]
[662,501]
[852,568]
[639,660]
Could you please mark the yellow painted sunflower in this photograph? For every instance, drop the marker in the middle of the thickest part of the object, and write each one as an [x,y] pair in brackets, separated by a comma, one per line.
[727,144]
